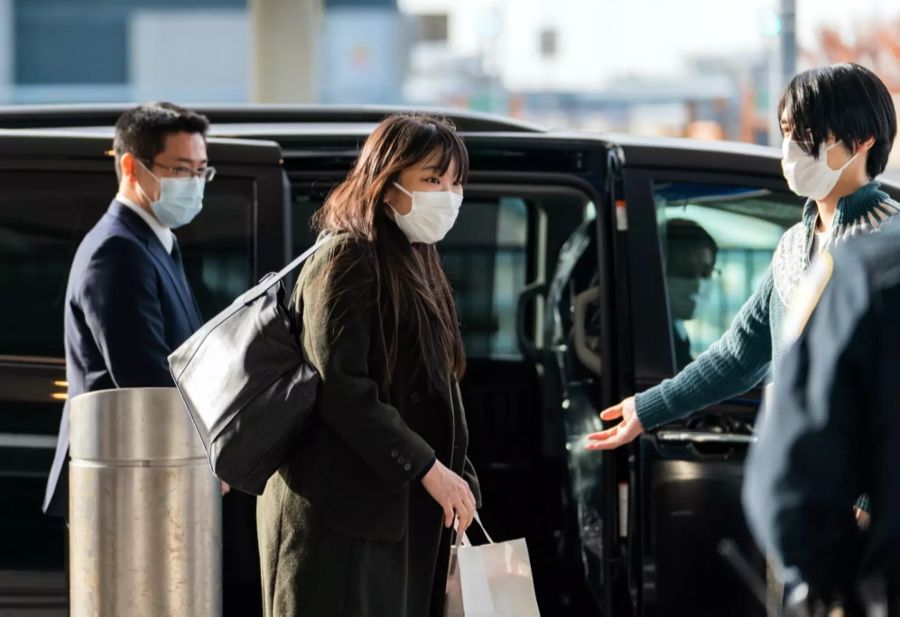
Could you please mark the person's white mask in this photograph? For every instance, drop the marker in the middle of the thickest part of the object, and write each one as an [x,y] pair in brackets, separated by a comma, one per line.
[432,215]
[180,200]
[806,175]
[687,294]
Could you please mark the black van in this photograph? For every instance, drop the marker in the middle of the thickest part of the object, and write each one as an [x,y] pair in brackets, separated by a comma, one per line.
[558,261]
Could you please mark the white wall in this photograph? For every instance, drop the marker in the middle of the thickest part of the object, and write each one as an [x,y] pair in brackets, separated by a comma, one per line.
[190,56]
[362,56]
[7,41]
[598,40]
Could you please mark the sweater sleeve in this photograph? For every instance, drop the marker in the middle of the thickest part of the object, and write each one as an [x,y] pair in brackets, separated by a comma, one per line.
[732,365]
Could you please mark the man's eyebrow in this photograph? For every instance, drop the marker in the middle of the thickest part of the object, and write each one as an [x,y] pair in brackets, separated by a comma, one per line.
[187,160]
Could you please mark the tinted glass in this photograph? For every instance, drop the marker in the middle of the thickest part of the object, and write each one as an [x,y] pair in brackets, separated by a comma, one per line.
[42,221]
[717,243]
[486,259]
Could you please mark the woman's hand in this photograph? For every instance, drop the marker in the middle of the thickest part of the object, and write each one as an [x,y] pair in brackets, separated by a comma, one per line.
[624,432]
[863,519]
[452,493]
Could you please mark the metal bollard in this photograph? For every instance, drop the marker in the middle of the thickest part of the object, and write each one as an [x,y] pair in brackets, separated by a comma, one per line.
[145,511]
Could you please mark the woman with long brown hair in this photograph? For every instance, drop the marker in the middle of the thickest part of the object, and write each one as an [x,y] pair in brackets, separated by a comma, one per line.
[356,522]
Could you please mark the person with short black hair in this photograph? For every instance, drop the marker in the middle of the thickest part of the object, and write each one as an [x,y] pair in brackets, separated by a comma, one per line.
[128,303]
[143,131]
[844,107]
[690,263]
[838,124]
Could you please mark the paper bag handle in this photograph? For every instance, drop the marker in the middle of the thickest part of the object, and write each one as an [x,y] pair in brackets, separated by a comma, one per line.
[463,540]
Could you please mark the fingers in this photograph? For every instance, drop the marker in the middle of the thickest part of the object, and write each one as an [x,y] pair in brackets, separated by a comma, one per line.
[611,413]
[464,505]
[605,435]
[453,494]
[614,437]
[470,500]
[448,516]
[465,510]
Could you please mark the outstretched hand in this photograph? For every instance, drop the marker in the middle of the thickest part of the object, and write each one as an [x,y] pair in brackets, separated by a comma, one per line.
[622,433]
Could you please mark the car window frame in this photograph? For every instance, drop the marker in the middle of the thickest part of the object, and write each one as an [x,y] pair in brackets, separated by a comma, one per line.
[654,362]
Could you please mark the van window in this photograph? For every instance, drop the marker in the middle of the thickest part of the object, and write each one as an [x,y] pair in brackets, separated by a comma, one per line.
[42,221]
[717,242]
[218,245]
[486,259]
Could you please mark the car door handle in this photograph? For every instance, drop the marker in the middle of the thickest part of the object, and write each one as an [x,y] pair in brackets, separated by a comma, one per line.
[584,350]
[528,295]
[687,436]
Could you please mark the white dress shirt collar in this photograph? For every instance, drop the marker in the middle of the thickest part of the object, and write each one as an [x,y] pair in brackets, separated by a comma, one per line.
[165,235]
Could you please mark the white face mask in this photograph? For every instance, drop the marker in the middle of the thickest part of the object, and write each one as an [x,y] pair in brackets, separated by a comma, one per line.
[686,294]
[432,215]
[806,175]
[180,200]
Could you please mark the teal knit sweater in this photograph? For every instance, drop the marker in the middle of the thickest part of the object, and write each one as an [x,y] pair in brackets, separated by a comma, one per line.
[741,357]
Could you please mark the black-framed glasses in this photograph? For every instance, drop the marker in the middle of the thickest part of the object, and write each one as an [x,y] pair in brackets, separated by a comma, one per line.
[694,271]
[207,173]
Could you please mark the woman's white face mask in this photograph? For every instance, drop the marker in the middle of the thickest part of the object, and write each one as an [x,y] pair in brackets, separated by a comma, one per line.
[432,215]
[807,175]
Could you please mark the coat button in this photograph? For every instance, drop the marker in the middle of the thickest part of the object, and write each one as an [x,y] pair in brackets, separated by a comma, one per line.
[415,398]
[394,453]
[401,460]
[407,467]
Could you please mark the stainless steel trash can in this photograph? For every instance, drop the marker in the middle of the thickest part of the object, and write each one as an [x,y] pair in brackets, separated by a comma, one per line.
[144,509]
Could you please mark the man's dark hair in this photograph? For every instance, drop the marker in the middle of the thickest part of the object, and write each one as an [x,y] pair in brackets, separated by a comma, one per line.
[683,235]
[142,131]
[846,100]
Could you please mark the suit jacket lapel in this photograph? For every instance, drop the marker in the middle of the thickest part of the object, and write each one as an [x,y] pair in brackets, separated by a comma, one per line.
[178,280]
[151,241]
[178,268]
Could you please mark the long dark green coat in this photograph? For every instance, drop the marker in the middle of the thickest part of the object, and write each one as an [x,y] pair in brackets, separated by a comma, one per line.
[345,527]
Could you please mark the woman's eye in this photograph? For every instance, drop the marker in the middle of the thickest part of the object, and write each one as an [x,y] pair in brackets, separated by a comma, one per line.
[433,180]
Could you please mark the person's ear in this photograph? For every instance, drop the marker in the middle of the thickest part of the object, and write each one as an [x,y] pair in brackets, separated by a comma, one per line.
[389,195]
[865,146]
[127,163]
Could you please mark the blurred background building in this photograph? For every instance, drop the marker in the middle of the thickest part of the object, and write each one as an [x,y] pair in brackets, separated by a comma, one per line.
[697,68]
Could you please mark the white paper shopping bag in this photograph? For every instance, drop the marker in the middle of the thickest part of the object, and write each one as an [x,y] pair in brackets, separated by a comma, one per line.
[495,579]
[453,604]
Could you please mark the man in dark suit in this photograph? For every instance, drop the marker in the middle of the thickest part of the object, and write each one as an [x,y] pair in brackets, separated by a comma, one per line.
[128,303]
